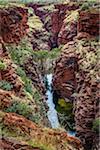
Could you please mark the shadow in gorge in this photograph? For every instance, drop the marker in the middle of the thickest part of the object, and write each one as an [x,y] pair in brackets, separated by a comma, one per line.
[60,113]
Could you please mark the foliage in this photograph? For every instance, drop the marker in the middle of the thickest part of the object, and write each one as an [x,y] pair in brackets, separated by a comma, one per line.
[36,96]
[67,106]
[96,125]
[65,113]
[2,65]
[23,109]
[42,54]
[87,4]
[41,1]
[32,94]
[45,58]
[6,85]
[54,53]
[35,22]
[21,52]
[67,121]
[25,79]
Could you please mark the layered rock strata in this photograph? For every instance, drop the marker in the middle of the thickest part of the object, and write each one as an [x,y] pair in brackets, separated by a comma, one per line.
[32,133]
[77,72]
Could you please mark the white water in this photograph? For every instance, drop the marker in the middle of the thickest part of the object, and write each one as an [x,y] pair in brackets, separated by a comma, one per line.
[52,113]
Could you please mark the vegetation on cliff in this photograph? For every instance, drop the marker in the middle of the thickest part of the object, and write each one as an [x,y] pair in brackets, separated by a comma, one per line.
[39,38]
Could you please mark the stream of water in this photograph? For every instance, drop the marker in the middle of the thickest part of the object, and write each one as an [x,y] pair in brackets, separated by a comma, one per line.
[52,113]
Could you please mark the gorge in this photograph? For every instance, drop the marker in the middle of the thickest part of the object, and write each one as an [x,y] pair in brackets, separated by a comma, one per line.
[49,75]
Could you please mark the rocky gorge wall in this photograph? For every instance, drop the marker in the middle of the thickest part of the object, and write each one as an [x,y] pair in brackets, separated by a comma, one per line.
[75,76]
[76,26]
[52,17]
[74,69]
[23,120]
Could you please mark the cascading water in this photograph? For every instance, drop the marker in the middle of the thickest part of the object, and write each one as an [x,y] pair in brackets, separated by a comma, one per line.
[52,113]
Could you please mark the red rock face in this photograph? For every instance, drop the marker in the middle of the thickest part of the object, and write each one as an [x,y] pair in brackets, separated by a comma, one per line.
[13,22]
[60,35]
[89,22]
[10,144]
[64,81]
[5,99]
[31,70]
[86,24]
[24,127]
[86,104]
[68,34]
[9,74]
[56,16]
[85,114]
[69,78]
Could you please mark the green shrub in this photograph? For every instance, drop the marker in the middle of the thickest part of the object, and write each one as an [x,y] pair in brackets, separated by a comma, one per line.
[55,53]
[65,106]
[21,52]
[85,6]
[27,82]
[6,85]
[88,4]
[24,110]
[2,65]
[20,108]
[65,113]
[36,96]
[28,86]
[96,125]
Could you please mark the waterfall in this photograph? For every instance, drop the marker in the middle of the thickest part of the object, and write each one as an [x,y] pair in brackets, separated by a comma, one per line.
[52,113]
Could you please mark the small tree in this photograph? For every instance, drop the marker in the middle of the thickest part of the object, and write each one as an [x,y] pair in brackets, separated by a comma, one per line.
[40,57]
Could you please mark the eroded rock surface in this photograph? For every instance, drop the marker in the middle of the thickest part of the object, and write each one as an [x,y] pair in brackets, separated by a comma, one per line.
[31,69]
[76,72]
[12,144]
[13,22]
[55,140]
[64,81]
[9,73]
